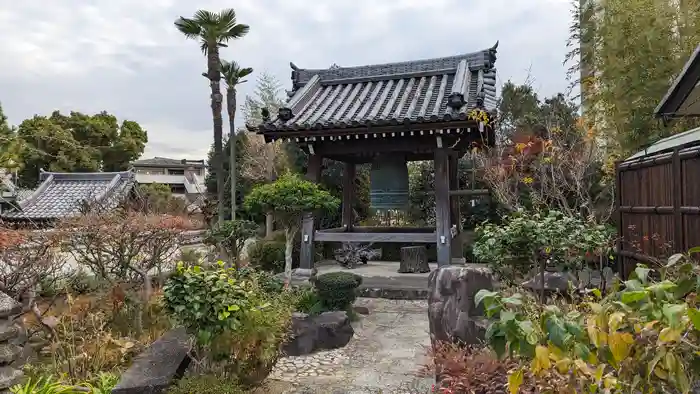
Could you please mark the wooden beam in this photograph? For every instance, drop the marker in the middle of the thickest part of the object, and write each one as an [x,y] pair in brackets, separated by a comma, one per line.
[384,229]
[362,129]
[442,208]
[455,214]
[348,195]
[369,146]
[306,252]
[428,238]
[463,193]
[677,174]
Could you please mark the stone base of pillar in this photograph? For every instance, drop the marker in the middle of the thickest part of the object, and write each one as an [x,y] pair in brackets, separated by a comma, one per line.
[300,276]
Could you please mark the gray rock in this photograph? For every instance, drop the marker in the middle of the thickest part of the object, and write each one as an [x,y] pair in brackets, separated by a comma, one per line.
[329,330]
[8,330]
[300,276]
[9,353]
[9,377]
[553,282]
[362,310]
[154,370]
[452,313]
[8,306]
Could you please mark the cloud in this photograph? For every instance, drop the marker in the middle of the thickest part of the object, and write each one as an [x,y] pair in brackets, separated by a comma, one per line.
[126,57]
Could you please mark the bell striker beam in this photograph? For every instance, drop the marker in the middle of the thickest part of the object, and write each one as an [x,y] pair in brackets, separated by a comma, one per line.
[306,252]
[348,194]
[442,207]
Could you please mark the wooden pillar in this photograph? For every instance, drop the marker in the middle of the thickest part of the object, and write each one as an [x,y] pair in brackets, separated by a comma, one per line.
[457,252]
[306,253]
[678,236]
[442,207]
[348,194]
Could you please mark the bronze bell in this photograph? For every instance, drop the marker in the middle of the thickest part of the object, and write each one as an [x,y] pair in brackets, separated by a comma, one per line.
[389,182]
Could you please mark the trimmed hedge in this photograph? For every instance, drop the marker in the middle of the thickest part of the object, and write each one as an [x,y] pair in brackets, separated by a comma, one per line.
[267,255]
[336,290]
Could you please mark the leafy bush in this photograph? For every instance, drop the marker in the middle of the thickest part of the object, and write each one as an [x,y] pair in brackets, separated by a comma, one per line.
[308,301]
[238,322]
[231,235]
[336,290]
[266,281]
[267,255]
[206,384]
[207,301]
[527,239]
[641,338]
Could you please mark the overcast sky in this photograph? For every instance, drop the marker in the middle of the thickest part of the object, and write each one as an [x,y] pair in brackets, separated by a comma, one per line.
[126,57]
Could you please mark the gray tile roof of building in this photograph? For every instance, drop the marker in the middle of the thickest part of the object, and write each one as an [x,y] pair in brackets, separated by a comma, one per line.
[683,96]
[393,93]
[63,194]
[167,162]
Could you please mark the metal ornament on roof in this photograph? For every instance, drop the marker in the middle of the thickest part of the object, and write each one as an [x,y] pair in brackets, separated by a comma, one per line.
[389,182]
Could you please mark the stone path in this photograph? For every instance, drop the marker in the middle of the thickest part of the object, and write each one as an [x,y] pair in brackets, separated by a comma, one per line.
[384,357]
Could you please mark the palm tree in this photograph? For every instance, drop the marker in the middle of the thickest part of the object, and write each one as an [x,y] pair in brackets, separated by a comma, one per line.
[213,30]
[233,76]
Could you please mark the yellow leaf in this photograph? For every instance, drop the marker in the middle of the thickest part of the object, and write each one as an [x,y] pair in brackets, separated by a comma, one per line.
[670,361]
[555,353]
[620,345]
[609,382]
[563,365]
[583,367]
[660,373]
[515,379]
[592,330]
[669,334]
[650,325]
[615,320]
[599,372]
[541,361]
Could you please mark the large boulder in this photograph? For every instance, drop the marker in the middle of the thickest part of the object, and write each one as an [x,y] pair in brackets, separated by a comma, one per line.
[452,313]
[329,330]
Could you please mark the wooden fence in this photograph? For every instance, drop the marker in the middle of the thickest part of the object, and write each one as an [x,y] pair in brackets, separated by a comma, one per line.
[658,206]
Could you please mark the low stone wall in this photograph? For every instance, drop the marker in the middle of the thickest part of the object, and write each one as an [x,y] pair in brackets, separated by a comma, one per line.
[13,337]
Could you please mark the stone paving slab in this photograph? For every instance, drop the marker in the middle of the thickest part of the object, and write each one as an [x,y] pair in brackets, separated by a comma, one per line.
[384,357]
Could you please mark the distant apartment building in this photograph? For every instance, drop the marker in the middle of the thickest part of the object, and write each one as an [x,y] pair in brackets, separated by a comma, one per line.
[186,178]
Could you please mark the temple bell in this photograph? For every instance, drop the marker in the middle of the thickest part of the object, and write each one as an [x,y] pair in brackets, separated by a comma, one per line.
[389,182]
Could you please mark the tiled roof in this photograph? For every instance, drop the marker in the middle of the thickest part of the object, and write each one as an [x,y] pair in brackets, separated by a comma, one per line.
[62,194]
[385,94]
[683,97]
[166,162]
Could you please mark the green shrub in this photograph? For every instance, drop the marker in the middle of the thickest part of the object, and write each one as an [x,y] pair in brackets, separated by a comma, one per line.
[642,338]
[206,384]
[527,239]
[267,282]
[308,301]
[267,255]
[207,302]
[336,290]
[238,320]
[231,235]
